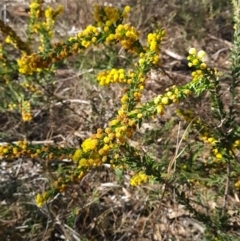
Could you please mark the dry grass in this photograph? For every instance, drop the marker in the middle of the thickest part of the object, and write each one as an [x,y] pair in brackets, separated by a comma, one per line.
[103,206]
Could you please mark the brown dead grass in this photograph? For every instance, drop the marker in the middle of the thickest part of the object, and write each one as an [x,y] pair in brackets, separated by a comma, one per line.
[103,206]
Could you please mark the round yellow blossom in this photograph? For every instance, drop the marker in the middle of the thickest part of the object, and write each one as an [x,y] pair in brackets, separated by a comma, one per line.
[139,179]
[169,93]
[165,100]
[201,54]
[124,99]
[199,72]
[94,39]
[123,128]
[127,9]
[48,12]
[219,156]
[111,136]
[106,139]
[203,66]
[157,99]
[211,140]
[118,134]
[83,162]
[107,130]
[39,200]
[195,62]
[108,23]
[193,73]
[106,29]
[5,150]
[121,111]
[91,162]
[113,122]
[77,155]
[106,147]
[141,61]
[104,158]
[153,45]
[236,143]
[192,51]
[102,152]
[89,145]
[131,122]
[187,92]
[160,110]
[99,130]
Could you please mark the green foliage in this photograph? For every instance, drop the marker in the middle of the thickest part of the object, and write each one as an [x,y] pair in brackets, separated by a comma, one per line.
[192,157]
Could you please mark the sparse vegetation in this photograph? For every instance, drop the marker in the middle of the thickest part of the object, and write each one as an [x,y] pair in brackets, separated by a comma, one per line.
[108,134]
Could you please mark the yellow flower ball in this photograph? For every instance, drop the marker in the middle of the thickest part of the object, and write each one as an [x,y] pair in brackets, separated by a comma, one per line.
[219,156]
[160,110]
[195,62]
[203,66]
[192,51]
[127,9]
[165,100]
[201,54]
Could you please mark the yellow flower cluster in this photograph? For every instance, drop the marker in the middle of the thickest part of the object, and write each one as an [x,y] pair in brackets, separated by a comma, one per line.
[196,59]
[123,127]
[107,16]
[59,185]
[89,144]
[138,179]
[204,135]
[76,156]
[27,64]
[44,25]
[30,86]
[112,76]
[41,199]
[34,9]
[207,138]
[126,11]
[171,96]
[93,151]
[127,35]
[103,14]
[105,142]
[87,37]
[13,151]
[24,148]
[36,14]
[236,144]
[49,21]
[12,38]
[25,109]
[41,23]
[108,28]
[217,153]
[153,49]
